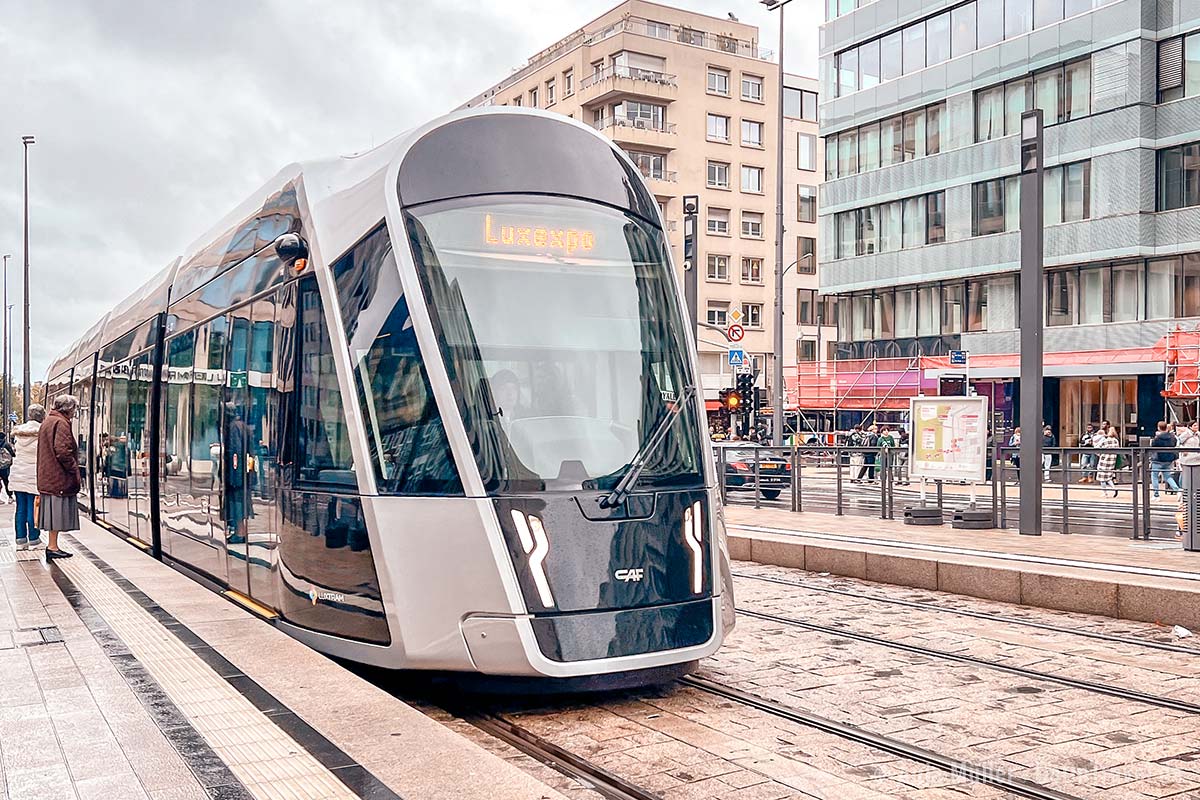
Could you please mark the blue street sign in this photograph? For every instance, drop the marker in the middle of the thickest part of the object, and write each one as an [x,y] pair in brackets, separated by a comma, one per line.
[958,358]
[737,358]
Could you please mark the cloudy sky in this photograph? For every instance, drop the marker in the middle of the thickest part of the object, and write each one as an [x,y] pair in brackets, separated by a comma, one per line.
[154,118]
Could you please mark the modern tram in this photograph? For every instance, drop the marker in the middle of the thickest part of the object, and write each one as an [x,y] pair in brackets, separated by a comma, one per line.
[429,407]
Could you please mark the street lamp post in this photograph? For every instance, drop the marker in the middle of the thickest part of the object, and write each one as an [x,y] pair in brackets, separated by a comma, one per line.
[777,406]
[26,141]
[4,355]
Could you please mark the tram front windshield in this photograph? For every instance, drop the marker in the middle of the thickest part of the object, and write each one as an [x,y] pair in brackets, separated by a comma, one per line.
[564,339]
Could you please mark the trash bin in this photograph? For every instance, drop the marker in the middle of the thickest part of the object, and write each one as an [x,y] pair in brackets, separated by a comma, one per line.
[1191,507]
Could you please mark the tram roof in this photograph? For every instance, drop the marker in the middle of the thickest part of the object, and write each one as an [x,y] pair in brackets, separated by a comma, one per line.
[338,199]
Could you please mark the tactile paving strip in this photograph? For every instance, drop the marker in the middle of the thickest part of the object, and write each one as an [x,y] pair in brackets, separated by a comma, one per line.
[270,764]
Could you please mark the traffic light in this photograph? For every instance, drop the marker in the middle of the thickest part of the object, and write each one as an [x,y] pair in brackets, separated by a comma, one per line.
[745,384]
[731,400]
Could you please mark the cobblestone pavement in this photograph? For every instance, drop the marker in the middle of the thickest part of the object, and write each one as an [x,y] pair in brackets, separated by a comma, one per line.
[685,744]
[1159,634]
[1129,666]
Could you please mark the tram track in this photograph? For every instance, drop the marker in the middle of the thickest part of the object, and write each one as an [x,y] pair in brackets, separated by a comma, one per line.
[1102,637]
[600,780]
[1034,675]
[965,769]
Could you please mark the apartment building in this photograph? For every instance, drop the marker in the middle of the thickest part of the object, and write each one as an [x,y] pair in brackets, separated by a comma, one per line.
[920,108]
[693,100]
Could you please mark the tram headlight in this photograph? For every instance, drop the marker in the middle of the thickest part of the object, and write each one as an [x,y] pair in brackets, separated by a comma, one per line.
[536,545]
[693,537]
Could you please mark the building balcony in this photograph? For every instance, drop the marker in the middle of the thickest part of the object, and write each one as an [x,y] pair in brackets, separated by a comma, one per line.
[637,131]
[614,82]
[656,176]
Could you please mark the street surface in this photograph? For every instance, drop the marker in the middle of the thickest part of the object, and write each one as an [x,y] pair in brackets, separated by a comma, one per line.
[1081,706]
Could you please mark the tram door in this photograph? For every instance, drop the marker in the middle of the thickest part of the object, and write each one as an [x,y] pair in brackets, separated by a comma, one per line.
[235,452]
[248,487]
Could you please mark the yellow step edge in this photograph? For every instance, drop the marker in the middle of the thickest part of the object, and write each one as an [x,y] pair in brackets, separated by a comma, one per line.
[137,542]
[250,604]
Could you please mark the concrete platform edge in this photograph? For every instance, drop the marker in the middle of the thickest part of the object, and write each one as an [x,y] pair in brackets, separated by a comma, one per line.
[1102,594]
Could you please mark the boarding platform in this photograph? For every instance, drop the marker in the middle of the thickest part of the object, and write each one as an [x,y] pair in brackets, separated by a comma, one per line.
[1145,580]
[122,678]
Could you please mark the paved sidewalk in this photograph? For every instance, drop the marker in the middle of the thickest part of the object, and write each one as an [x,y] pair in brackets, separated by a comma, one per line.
[163,690]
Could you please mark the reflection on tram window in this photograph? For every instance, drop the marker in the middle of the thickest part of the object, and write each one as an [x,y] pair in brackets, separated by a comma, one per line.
[564,358]
[324,446]
[407,440]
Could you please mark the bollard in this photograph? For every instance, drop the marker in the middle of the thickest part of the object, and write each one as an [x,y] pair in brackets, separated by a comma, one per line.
[837,460]
[1191,507]
[757,480]
[797,463]
[1065,476]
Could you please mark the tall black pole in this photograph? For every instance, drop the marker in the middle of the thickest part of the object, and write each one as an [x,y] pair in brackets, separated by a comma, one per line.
[26,140]
[4,355]
[1032,299]
[777,377]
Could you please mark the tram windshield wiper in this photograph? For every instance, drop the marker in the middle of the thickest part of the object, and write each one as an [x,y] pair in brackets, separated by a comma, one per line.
[638,463]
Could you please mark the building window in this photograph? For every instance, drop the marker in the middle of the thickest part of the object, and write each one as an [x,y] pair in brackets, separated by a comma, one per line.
[891,226]
[517,101]
[718,313]
[718,267]
[1063,93]
[806,203]
[752,179]
[845,222]
[659,30]
[550,97]
[752,88]
[806,350]
[915,221]
[962,30]
[718,81]
[806,255]
[718,221]
[806,311]
[952,308]
[806,149]
[752,225]
[752,315]
[1179,177]
[800,104]
[1179,67]
[533,97]
[752,270]
[752,133]
[935,217]
[568,83]
[968,27]
[1061,300]
[881,144]
[651,165]
[929,306]
[987,207]
[1067,193]
[905,310]
[718,128]
[642,115]
[977,305]
[718,175]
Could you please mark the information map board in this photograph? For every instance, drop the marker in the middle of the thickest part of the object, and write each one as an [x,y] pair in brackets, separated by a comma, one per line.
[949,438]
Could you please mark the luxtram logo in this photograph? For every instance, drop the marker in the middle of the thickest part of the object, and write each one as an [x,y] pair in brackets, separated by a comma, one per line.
[628,575]
[332,597]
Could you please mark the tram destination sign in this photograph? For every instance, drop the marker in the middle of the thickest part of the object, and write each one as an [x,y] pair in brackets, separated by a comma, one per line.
[949,438]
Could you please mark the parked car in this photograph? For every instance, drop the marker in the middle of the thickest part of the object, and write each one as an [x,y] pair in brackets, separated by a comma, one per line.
[774,471]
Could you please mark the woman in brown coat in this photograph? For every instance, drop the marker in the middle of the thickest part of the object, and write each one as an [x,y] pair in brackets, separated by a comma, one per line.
[58,474]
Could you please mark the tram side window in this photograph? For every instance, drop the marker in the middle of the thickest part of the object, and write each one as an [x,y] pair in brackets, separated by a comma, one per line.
[407,440]
[324,446]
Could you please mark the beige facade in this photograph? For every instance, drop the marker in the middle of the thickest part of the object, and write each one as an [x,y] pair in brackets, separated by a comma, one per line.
[693,100]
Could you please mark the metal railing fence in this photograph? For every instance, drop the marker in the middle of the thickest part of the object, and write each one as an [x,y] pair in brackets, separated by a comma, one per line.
[1139,494]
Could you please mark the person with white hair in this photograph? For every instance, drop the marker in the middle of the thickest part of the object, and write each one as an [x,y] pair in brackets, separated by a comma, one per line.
[24,476]
[58,474]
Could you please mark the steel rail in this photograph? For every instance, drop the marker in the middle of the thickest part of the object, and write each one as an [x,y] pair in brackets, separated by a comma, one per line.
[605,783]
[887,744]
[1045,626]
[1089,686]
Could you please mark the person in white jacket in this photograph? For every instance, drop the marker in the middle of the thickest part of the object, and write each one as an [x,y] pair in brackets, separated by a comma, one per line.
[23,477]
